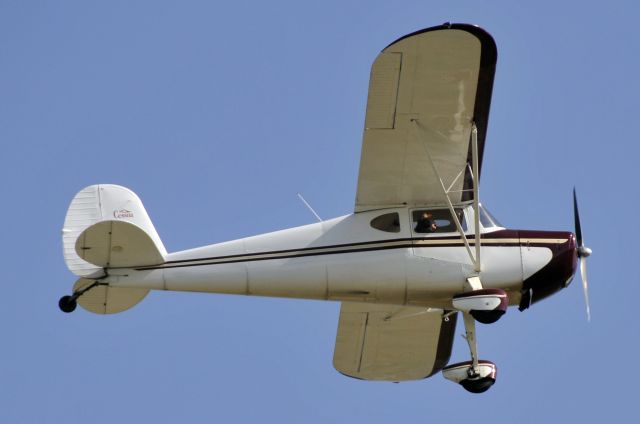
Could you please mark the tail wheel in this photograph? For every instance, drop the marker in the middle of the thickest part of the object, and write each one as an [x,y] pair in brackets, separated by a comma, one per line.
[67,304]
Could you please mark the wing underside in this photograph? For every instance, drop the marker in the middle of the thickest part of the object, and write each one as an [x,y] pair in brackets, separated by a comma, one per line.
[391,343]
[425,92]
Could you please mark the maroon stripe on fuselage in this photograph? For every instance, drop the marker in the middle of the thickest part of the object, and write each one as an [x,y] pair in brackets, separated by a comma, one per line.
[400,243]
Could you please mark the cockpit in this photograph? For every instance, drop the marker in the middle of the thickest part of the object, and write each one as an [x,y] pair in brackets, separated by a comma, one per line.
[439,220]
[436,220]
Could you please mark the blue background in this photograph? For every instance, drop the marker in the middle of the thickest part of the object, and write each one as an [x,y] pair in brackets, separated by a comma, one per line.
[217,114]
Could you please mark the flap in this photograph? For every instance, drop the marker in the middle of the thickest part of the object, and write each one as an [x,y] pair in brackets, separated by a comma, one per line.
[392,343]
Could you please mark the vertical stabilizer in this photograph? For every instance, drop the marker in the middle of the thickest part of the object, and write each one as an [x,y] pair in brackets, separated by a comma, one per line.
[116,207]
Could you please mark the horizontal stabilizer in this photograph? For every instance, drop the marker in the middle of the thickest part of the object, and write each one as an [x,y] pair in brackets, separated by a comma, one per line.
[117,244]
[107,300]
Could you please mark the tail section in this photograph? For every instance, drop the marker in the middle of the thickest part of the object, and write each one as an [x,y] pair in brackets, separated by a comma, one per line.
[103,299]
[107,227]
[117,244]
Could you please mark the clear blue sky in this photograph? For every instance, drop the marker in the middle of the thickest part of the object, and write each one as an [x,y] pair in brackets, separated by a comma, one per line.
[217,114]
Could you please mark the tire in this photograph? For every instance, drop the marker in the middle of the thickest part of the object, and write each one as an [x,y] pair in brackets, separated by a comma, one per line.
[67,304]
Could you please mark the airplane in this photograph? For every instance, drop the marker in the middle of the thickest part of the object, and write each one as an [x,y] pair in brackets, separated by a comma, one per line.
[418,249]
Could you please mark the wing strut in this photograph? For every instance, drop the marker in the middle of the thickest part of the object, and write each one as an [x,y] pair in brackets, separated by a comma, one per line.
[475,259]
[476,192]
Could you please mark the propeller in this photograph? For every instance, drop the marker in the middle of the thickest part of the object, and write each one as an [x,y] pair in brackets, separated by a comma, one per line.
[583,253]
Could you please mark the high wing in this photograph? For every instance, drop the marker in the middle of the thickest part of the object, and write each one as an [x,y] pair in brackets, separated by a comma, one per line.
[426,91]
[391,343]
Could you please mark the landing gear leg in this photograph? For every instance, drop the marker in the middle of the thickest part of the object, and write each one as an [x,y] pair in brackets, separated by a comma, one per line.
[476,376]
[470,337]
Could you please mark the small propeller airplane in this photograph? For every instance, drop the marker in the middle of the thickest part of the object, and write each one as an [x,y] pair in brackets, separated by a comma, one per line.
[418,249]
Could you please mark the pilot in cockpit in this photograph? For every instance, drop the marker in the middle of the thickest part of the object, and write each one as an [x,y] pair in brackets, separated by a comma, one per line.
[426,223]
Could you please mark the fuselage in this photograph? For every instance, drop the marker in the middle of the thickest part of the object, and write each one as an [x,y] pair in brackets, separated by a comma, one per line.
[375,256]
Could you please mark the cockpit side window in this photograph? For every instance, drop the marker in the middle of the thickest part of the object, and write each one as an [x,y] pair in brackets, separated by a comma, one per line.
[436,221]
[389,222]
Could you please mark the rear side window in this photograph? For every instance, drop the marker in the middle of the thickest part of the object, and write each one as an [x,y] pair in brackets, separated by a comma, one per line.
[389,222]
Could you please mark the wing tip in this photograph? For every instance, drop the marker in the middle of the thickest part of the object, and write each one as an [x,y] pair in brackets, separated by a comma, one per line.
[488,43]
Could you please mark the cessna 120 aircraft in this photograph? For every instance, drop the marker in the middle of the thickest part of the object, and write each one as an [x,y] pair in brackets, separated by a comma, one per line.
[418,249]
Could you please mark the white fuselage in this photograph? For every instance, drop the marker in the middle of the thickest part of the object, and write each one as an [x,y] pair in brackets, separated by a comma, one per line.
[344,259]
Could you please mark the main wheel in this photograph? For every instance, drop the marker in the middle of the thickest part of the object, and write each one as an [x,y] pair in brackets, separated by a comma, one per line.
[67,304]
[479,385]
[487,317]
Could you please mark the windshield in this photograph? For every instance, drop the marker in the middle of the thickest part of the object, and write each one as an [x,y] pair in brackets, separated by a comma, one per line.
[487,219]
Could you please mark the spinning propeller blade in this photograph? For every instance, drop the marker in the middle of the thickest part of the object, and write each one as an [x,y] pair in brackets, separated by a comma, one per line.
[583,253]
[576,217]
[585,285]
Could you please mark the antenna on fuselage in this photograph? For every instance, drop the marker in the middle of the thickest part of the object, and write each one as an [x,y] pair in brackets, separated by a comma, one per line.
[309,207]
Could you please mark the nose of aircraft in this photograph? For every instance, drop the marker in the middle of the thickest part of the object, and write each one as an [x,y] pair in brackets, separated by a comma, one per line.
[557,273]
